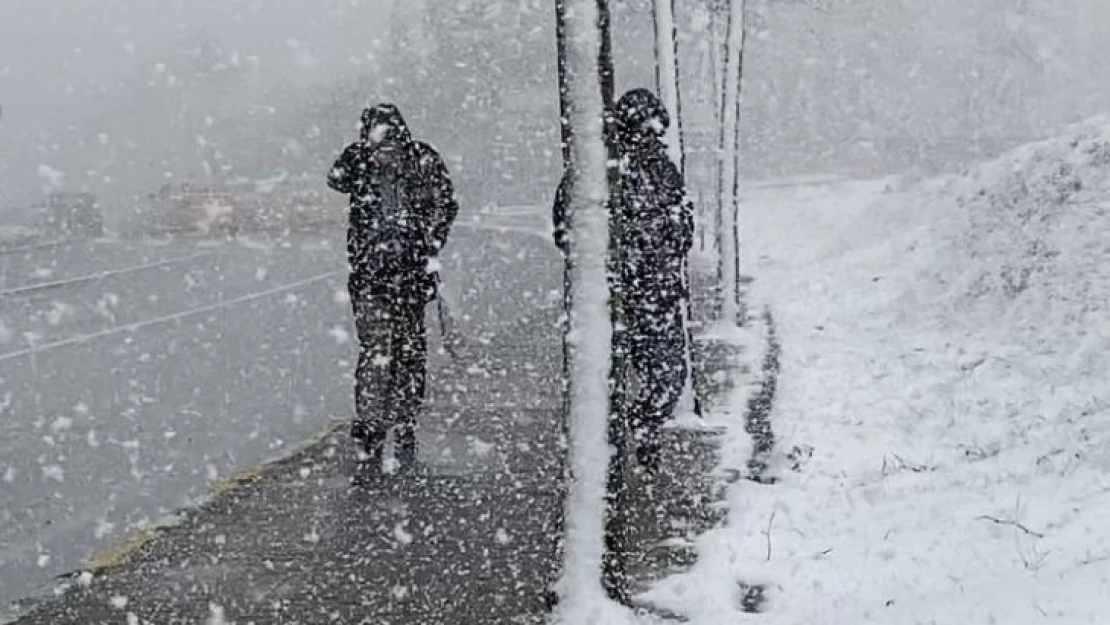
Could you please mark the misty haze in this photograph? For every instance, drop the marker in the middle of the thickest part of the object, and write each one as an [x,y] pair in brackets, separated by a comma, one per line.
[569,311]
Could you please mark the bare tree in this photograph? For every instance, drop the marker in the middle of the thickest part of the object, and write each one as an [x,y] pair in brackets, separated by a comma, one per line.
[730,163]
[584,74]
[667,76]
[668,85]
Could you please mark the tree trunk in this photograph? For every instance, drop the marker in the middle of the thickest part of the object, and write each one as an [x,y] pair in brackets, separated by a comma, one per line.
[729,183]
[742,36]
[582,78]
[668,86]
[564,93]
[667,76]
[617,524]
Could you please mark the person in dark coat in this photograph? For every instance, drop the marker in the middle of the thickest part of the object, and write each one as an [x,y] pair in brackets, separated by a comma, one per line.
[402,208]
[652,227]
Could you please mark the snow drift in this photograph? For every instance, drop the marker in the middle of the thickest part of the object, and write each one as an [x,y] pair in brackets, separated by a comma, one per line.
[943,400]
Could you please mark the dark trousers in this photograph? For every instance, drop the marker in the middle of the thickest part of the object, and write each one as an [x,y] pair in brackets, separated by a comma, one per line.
[393,352]
[656,343]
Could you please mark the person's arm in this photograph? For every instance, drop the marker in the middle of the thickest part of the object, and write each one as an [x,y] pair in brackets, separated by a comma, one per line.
[679,206]
[687,228]
[443,204]
[341,177]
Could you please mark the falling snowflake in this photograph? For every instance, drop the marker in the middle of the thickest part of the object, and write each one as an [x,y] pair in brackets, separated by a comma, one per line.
[215,615]
[103,528]
[53,472]
[480,447]
[340,335]
[61,424]
[53,177]
[401,535]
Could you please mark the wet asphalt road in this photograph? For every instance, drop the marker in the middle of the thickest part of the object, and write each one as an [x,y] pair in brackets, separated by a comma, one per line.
[132,374]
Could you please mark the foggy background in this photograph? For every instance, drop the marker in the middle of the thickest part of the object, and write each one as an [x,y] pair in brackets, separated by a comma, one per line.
[121,97]
[243,346]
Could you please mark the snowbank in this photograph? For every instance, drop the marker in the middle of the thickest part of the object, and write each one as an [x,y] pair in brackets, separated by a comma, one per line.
[944,385]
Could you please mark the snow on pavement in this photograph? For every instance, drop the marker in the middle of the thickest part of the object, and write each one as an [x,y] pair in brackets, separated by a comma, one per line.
[944,356]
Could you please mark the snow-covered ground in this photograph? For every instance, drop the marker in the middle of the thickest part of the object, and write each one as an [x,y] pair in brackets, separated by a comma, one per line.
[945,349]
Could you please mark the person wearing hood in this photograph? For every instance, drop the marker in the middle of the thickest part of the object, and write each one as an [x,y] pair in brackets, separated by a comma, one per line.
[402,206]
[652,227]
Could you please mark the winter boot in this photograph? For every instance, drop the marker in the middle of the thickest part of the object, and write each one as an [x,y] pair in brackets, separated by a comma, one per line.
[406,447]
[372,441]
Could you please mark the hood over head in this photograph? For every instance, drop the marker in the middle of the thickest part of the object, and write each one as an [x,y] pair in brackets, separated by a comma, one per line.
[640,118]
[383,123]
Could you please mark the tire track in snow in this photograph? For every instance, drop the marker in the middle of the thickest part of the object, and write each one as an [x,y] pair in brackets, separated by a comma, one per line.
[100,275]
[30,247]
[146,323]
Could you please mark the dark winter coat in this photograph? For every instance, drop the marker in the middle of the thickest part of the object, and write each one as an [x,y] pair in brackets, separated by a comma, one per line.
[402,208]
[651,222]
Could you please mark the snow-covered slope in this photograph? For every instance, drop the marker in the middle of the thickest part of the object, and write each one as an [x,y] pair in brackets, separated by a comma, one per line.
[946,359]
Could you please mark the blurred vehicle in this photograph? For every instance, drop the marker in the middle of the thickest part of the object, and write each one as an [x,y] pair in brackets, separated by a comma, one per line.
[206,210]
[15,236]
[18,227]
[309,205]
[69,214]
[289,204]
[242,206]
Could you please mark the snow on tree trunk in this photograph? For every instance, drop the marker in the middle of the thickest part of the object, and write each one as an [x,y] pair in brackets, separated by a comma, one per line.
[564,95]
[667,85]
[729,188]
[706,23]
[666,76]
[589,337]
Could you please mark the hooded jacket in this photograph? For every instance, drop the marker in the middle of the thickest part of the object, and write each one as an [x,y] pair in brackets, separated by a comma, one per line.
[402,207]
[650,220]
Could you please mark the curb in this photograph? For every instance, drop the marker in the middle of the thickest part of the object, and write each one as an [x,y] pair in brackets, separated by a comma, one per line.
[123,551]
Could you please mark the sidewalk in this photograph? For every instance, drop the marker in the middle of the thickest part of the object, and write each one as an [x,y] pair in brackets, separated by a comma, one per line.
[469,539]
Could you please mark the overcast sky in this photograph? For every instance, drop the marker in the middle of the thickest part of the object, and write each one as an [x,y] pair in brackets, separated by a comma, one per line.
[63,61]
[816,79]
[47,46]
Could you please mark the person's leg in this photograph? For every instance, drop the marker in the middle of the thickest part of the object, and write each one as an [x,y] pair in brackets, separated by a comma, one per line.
[660,365]
[410,354]
[372,375]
